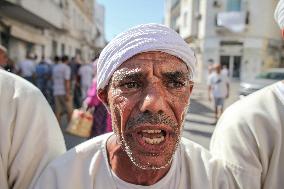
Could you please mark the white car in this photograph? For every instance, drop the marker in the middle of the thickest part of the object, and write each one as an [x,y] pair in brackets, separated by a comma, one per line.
[261,80]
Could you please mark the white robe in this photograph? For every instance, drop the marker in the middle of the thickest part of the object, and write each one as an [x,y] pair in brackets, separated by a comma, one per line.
[249,138]
[29,133]
[86,166]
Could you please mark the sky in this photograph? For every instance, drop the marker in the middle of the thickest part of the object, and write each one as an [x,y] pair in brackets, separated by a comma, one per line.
[123,14]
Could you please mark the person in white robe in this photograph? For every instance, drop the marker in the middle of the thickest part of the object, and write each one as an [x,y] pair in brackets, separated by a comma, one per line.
[249,135]
[145,78]
[29,133]
[249,139]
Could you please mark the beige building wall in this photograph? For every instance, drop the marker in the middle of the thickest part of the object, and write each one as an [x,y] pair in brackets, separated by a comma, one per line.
[48,27]
[256,48]
[100,26]
[49,10]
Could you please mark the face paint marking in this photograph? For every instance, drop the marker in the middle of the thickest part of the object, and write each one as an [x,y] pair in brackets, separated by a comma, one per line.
[128,80]
[154,139]
[149,137]
[176,80]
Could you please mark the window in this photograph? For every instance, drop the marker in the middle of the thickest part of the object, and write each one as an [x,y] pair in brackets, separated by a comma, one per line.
[29,48]
[234,5]
[174,3]
[62,49]
[54,48]
[185,19]
[281,65]
[174,21]
[271,75]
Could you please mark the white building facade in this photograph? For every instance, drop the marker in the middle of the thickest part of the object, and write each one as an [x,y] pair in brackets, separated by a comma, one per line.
[240,34]
[48,27]
[99,17]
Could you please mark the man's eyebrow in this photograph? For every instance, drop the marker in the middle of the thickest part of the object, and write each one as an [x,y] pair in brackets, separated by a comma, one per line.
[128,75]
[176,75]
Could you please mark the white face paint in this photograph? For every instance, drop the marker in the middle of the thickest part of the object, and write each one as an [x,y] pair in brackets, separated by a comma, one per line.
[148,97]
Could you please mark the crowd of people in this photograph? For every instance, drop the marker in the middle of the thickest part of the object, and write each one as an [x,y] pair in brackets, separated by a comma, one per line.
[49,75]
[67,83]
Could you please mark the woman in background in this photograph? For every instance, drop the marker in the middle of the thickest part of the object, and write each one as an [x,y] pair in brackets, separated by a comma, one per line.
[101,116]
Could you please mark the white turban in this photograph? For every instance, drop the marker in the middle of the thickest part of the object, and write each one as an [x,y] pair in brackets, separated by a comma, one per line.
[142,38]
[279,14]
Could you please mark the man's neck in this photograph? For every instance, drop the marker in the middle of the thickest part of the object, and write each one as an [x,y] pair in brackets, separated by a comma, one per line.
[122,166]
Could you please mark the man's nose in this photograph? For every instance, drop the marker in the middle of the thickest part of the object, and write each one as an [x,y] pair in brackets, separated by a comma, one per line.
[154,99]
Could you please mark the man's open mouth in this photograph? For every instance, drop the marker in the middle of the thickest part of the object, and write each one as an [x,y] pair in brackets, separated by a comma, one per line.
[152,137]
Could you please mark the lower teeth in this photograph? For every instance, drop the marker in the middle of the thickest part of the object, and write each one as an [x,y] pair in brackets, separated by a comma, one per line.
[154,140]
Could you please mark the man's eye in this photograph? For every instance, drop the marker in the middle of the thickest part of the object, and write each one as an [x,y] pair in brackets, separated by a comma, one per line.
[175,84]
[131,85]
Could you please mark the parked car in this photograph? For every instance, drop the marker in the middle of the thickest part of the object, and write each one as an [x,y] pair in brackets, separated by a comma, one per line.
[261,80]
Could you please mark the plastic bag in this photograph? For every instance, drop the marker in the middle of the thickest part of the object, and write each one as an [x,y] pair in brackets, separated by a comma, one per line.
[81,123]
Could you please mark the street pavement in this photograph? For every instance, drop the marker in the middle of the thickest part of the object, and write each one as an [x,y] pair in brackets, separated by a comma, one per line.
[199,122]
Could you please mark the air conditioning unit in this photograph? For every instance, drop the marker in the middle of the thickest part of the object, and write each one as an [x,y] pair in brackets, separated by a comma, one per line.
[217,4]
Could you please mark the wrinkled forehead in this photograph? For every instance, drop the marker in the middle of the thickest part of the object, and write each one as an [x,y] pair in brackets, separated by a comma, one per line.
[158,59]
[154,55]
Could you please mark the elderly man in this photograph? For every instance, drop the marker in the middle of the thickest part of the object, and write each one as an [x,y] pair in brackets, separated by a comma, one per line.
[249,136]
[145,80]
[3,56]
[29,134]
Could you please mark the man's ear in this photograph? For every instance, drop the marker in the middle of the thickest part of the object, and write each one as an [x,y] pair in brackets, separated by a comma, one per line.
[190,89]
[102,94]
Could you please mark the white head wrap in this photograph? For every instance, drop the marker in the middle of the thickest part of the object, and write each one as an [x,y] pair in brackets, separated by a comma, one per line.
[279,14]
[142,38]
